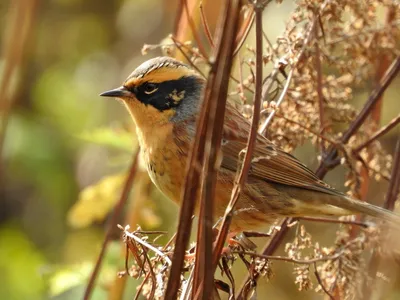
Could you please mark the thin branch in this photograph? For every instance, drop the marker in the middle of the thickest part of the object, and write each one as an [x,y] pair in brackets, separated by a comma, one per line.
[194,30]
[316,273]
[216,90]
[379,133]
[205,26]
[318,67]
[394,185]
[146,245]
[179,45]
[278,103]
[187,287]
[306,128]
[140,288]
[196,157]
[290,259]
[295,62]
[329,160]
[390,200]
[258,7]
[113,222]
[151,272]
[270,44]
[244,31]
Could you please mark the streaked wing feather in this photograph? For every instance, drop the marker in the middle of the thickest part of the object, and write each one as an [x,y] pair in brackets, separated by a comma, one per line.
[269,162]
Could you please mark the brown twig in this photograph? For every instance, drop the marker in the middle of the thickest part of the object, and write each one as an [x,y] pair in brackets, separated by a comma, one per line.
[192,182]
[147,245]
[216,91]
[390,200]
[113,222]
[180,47]
[369,168]
[306,128]
[290,259]
[316,273]
[140,288]
[151,272]
[299,57]
[223,232]
[394,185]
[264,126]
[194,29]
[330,160]
[321,110]
[379,133]
[205,26]
[244,31]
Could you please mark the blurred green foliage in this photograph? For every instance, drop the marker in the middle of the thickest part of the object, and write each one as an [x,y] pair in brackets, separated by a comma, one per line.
[75,50]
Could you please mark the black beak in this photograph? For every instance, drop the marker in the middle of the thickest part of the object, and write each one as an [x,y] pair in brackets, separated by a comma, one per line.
[118,92]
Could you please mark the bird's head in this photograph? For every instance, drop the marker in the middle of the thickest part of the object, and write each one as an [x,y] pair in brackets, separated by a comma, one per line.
[161,90]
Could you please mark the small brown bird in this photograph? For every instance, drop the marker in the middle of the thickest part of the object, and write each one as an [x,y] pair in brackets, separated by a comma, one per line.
[163,97]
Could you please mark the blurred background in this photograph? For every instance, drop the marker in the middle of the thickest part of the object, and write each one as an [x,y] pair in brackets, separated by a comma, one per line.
[66,150]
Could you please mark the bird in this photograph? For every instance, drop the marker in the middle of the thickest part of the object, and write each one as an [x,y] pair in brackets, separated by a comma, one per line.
[164,98]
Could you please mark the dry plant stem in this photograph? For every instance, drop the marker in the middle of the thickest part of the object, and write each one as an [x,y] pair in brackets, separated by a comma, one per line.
[147,245]
[284,228]
[187,288]
[394,185]
[180,47]
[326,139]
[271,47]
[292,260]
[319,92]
[244,31]
[205,26]
[321,283]
[264,127]
[297,60]
[390,200]
[379,133]
[20,16]
[140,288]
[142,185]
[330,160]
[216,91]
[194,29]
[322,170]
[152,275]
[179,23]
[182,27]
[241,91]
[364,178]
[113,222]
[366,166]
[223,232]
[191,186]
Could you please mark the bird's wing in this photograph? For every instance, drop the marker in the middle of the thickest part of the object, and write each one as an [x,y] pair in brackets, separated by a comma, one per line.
[268,162]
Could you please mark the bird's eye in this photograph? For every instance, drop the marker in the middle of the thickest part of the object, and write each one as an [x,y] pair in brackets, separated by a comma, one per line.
[150,88]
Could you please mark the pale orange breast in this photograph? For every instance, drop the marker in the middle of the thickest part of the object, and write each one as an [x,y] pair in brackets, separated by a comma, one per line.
[165,160]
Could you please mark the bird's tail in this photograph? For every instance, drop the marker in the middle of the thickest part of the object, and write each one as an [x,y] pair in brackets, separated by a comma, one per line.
[357,206]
